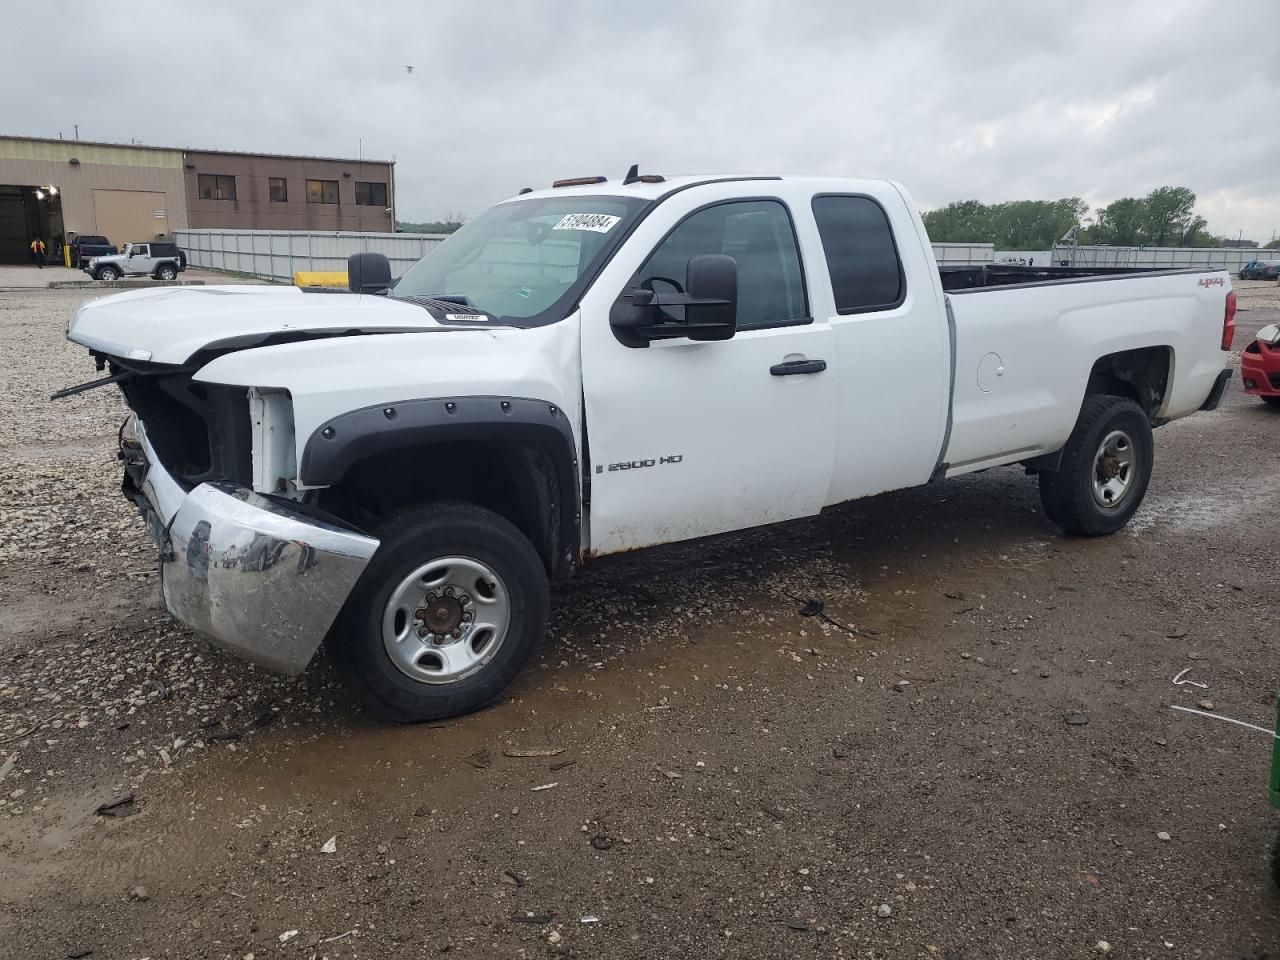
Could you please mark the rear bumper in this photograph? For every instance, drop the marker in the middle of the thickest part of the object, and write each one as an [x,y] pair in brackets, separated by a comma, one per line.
[252,574]
[1212,401]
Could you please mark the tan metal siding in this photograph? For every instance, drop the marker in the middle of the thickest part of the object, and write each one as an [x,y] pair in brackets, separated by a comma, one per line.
[129,215]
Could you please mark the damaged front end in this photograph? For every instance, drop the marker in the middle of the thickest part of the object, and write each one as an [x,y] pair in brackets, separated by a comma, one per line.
[260,576]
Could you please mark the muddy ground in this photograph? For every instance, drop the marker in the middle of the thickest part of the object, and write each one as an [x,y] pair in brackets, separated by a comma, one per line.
[715,773]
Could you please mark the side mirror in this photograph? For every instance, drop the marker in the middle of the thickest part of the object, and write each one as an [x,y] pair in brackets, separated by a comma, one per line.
[711,282]
[368,273]
[710,301]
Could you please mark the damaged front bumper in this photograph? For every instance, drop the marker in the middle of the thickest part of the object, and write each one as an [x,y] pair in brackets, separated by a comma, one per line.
[255,575]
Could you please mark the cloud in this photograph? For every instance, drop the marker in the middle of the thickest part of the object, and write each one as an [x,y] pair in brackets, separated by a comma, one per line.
[985,100]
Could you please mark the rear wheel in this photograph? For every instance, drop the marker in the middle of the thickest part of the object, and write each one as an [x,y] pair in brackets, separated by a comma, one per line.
[449,611]
[1105,468]
[166,272]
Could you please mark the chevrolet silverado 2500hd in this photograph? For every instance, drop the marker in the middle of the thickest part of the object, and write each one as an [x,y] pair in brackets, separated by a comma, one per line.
[401,470]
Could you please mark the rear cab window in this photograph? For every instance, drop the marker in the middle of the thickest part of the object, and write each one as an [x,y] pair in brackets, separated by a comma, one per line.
[862,256]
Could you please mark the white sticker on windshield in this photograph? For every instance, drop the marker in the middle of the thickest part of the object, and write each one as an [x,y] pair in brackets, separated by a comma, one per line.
[595,222]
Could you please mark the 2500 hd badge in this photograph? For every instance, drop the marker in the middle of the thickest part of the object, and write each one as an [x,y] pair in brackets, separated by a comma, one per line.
[641,464]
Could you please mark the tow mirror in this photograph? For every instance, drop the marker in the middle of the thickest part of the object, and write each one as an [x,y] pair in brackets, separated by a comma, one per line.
[710,301]
[368,273]
[711,281]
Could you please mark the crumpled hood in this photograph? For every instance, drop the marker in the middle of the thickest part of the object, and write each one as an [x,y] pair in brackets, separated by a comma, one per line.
[171,324]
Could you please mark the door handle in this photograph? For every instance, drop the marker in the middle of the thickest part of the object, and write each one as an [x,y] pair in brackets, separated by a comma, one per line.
[792,368]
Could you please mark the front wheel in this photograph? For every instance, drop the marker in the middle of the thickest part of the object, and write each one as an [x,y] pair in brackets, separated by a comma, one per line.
[1272,400]
[449,611]
[108,273]
[1105,468]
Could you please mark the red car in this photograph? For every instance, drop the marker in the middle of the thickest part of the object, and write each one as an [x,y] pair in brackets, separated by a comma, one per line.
[1260,365]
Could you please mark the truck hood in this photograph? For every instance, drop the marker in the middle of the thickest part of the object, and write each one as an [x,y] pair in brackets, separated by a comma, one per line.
[172,324]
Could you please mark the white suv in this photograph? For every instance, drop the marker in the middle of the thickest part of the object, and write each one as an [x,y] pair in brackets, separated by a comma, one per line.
[161,260]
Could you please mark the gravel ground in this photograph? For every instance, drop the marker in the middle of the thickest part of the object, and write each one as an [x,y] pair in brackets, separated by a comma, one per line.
[967,753]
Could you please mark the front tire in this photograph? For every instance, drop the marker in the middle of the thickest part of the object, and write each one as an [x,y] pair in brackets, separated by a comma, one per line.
[108,273]
[1105,468]
[450,610]
[1273,400]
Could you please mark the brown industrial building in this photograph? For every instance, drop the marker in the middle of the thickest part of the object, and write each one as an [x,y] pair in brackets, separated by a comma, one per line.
[58,189]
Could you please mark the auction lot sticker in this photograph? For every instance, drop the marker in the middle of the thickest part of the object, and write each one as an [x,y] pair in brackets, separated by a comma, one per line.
[595,222]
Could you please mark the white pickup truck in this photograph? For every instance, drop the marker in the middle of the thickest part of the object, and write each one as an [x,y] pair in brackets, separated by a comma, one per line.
[401,470]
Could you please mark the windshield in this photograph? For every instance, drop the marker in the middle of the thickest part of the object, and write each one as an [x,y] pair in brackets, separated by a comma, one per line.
[526,261]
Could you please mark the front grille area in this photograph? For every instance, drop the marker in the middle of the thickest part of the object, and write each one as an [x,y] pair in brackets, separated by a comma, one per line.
[200,431]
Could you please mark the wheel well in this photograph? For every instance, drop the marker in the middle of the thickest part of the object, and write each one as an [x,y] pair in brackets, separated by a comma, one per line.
[1141,375]
[516,480]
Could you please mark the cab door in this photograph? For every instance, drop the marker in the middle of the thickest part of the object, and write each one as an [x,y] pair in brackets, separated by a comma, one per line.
[139,259]
[686,438]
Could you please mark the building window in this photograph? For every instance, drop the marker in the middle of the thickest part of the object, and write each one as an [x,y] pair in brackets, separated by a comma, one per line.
[279,188]
[216,187]
[322,191]
[371,194]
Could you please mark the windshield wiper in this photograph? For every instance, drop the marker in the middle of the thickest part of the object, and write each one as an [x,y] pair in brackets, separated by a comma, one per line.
[448,303]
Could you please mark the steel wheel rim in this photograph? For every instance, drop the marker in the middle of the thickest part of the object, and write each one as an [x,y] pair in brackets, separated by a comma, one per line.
[1115,469]
[446,620]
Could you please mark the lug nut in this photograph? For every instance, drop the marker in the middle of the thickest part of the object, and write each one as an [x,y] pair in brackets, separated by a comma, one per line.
[457,634]
[422,632]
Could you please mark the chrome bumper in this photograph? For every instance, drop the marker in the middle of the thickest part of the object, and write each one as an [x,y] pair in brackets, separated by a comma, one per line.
[252,574]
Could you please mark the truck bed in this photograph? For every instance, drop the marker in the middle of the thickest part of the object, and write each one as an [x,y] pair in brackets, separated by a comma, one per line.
[1024,348]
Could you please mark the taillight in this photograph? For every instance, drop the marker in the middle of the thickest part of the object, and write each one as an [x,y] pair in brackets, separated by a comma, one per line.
[1229,321]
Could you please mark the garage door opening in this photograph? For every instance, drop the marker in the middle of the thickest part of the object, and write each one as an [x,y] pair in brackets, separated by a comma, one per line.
[28,212]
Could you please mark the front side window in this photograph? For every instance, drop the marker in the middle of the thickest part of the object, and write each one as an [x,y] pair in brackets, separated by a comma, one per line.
[371,194]
[279,188]
[322,191]
[139,250]
[526,261]
[214,186]
[862,258]
[759,236]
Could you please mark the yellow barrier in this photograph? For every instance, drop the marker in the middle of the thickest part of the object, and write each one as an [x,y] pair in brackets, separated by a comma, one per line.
[320,278]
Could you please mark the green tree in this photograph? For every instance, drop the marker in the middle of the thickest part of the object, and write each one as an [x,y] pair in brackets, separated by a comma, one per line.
[1017,225]
[1273,245]
[1165,217]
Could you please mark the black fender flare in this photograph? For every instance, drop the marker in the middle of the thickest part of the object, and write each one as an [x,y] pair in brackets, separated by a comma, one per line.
[343,441]
[177,268]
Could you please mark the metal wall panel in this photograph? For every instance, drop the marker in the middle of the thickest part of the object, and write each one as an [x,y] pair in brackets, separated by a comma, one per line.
[279,254]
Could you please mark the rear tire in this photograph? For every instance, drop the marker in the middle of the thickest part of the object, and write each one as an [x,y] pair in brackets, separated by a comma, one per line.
[166,272]
[449,611]
[1105,468]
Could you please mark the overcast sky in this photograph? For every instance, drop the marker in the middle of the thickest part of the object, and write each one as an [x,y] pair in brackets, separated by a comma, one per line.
[993,101]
